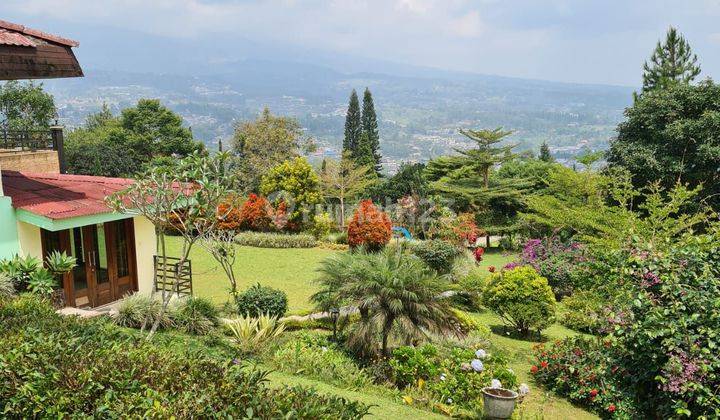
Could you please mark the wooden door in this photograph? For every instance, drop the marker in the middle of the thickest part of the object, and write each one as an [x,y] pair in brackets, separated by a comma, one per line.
[106,267]
[97,248]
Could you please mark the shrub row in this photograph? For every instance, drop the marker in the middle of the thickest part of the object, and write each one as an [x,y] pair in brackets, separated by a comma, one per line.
[275,240]
[69,367]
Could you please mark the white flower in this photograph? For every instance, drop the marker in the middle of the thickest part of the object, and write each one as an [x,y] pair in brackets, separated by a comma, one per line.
[324,349]
[477,365]
[524,389]
[442,376]
[495,384]
[480,354]
[449,401]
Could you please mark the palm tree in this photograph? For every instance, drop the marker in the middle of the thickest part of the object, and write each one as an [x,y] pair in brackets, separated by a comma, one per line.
[395,293]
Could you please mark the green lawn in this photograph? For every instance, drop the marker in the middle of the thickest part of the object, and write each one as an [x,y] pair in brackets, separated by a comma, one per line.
[289,270]
[293,271]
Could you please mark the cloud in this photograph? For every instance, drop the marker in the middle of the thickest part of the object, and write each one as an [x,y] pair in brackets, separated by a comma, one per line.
[550,39]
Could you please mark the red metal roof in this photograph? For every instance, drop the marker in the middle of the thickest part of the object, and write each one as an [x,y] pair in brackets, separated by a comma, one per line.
[20,29]
[60,196]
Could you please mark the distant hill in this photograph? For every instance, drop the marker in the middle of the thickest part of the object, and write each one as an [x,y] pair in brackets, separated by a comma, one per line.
[215,83]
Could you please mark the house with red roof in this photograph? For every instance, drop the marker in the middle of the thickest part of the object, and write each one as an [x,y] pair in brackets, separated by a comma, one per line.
[43,209]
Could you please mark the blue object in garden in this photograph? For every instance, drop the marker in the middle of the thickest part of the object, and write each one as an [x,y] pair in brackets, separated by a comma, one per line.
[402,231]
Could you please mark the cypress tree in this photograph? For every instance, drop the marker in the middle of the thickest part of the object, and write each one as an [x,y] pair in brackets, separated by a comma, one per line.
[370,128]
[545,155]
[353,126]
[672,62]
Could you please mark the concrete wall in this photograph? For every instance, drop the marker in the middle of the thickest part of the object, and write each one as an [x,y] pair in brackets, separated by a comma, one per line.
[9,245]
[145,248]
[29,239]
[38,161]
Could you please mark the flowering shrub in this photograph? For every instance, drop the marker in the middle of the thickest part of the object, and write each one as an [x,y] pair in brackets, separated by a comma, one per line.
[369,227]
[255,214]
[453,376]
[561,263]
[589,373]
[662,344]
[670,330]
[460,229]
[521,298]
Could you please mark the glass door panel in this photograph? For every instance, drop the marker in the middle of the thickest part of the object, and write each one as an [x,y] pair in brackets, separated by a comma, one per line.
[77,247]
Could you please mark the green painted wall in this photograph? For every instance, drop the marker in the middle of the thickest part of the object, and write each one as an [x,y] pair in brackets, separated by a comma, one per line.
[9,244]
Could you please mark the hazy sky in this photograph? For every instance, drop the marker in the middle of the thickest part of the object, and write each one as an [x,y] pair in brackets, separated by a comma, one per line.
[565,40]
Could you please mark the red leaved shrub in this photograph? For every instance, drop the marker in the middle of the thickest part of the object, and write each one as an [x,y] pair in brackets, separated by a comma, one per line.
[256,214]
[369,227]
[229,215]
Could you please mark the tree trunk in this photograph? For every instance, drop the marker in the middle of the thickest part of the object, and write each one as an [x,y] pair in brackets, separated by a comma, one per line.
[342,212]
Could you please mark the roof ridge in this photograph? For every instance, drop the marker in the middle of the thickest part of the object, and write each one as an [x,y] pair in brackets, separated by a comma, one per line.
[87,179]
[38,34]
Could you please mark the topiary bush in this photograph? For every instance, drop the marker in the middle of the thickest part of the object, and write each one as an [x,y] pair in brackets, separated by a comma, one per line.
[194,315]
[369,227]
[275,240]
[262,300]
[522,298]
[437,254]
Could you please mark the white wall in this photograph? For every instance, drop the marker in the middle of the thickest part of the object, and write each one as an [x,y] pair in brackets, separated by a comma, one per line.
[145,248]
[30,240]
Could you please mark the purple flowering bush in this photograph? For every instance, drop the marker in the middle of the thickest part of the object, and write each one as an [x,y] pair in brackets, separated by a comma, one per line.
[562,263]
[660,351]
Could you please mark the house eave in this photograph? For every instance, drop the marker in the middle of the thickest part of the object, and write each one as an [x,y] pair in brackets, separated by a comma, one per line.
[55,225]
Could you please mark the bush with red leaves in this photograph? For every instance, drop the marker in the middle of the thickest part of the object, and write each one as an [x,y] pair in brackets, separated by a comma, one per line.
[229,215]
[369,227]
[256,214]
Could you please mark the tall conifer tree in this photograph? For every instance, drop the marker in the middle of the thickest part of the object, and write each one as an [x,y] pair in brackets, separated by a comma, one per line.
[672,62]
[545,155]
[370,129]
[353,126]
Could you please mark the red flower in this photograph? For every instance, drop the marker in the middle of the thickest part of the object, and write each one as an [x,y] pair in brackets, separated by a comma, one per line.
[543,364]
[479,251]
[491,269]
[611,408]
[593,393]
[533,369]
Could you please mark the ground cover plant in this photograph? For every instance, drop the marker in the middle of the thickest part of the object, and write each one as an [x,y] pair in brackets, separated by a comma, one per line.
[130,377]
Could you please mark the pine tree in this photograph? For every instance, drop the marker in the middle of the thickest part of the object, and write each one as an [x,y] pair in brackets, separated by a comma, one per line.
[353,126]
[672,62]
[370,128]
[545,155]
[466,177]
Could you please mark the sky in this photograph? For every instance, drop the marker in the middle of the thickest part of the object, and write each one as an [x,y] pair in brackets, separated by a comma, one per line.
[581,41]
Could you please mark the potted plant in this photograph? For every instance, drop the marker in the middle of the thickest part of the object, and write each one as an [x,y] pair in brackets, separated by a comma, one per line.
[59,263]
[498,403]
